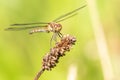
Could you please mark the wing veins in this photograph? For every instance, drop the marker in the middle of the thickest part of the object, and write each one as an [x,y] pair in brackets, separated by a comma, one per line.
[66,17]
[69,13]
[21,28]
[29,24]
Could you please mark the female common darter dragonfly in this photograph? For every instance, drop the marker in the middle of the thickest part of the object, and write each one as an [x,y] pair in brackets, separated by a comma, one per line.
[53,26]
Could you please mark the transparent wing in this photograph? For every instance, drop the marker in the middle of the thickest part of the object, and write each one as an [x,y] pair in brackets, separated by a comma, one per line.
[23,24]
[22,28]
[66,17]
[68,14]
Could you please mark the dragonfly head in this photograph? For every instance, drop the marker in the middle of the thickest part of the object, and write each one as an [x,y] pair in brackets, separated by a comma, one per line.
[55,27]
[58,27]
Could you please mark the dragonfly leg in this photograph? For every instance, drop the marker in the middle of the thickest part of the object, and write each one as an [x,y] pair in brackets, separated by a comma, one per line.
[60,35]
[54,37]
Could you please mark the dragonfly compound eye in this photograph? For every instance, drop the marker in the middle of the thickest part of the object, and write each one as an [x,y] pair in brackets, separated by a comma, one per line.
[58,27]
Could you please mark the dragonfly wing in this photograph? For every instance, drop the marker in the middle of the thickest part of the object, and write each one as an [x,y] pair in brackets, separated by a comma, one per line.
[23,24]
[68,14]
[66,17]
[22,28]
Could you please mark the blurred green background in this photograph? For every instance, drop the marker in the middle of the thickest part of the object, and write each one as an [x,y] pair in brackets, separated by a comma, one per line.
[21,54]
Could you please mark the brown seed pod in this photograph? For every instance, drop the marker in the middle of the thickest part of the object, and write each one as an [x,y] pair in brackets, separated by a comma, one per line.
[51,58]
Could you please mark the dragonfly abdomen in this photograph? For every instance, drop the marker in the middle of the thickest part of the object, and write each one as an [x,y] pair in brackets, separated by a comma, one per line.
[38,30]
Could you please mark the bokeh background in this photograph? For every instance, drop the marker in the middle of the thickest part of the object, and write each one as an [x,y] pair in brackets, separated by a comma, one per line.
[96,55]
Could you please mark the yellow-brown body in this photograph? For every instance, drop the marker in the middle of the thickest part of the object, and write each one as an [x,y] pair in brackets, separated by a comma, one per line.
[51,27]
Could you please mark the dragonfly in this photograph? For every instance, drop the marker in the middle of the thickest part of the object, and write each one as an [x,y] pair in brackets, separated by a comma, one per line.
[53,26]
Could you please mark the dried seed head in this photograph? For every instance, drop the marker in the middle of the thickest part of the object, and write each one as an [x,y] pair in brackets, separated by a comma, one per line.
[50,60]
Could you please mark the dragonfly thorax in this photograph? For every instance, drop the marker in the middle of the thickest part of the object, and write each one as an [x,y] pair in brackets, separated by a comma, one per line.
[54,27]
